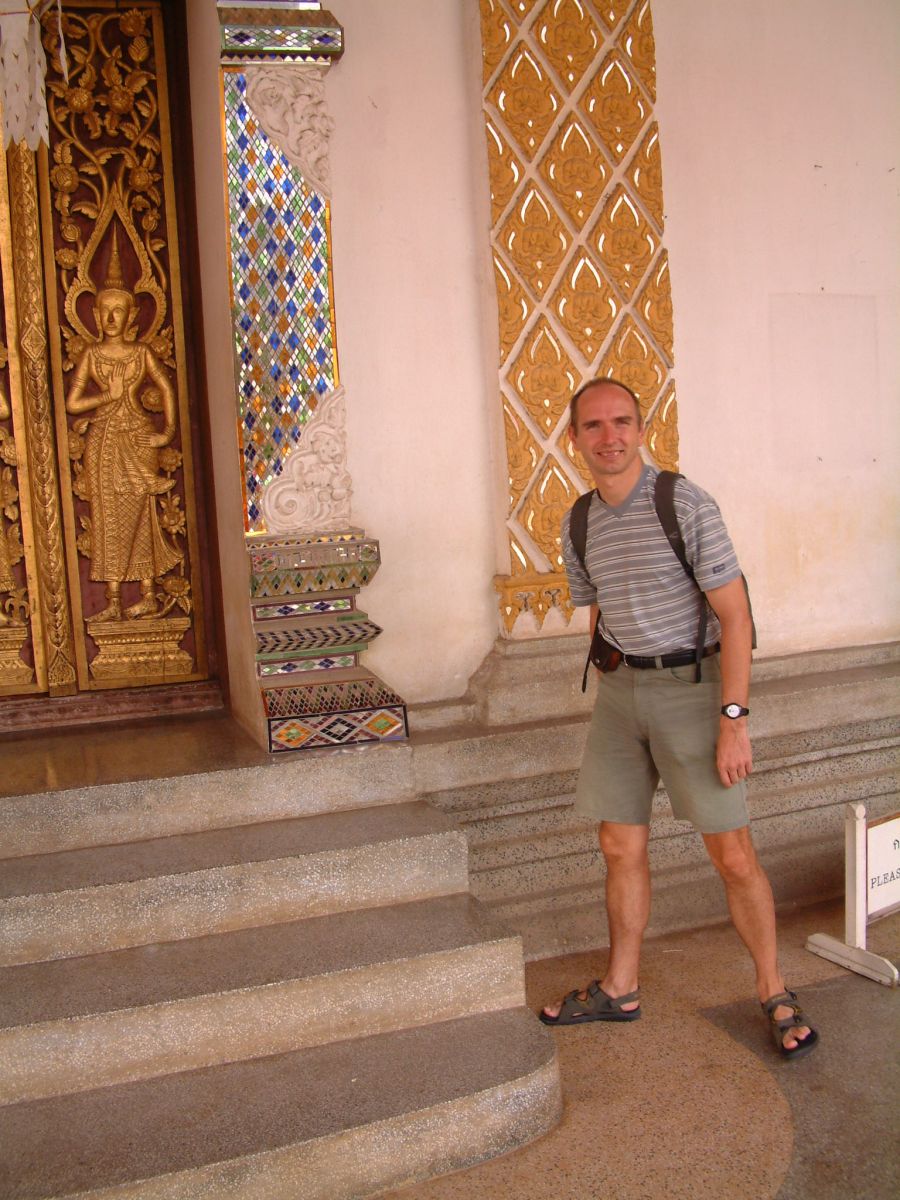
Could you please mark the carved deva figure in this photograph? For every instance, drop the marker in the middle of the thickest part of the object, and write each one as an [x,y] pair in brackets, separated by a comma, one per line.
[121,461]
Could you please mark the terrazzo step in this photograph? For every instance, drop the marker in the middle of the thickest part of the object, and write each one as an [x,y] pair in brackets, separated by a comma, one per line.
[80,1023]
[344,1120]
[82,902]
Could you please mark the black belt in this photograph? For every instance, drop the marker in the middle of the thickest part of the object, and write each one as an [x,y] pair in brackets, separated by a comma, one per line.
[681,658]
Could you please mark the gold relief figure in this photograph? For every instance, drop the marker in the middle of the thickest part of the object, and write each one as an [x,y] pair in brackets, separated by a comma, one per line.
[120,474]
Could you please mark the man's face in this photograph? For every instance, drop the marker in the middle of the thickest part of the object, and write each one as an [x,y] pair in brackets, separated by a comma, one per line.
[609,434]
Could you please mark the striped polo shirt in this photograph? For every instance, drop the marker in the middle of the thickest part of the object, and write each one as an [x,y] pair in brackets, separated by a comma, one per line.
[648,604]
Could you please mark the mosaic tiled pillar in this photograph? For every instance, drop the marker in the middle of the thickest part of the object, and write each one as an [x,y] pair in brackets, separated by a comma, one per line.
[308,561]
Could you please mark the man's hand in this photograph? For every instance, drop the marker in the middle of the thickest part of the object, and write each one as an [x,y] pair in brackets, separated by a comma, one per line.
[734,758]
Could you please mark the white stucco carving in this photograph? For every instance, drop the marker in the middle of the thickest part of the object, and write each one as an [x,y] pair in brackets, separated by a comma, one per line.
[288,100]
[312,494]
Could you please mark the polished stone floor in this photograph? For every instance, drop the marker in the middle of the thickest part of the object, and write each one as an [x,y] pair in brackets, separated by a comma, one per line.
[692,1102]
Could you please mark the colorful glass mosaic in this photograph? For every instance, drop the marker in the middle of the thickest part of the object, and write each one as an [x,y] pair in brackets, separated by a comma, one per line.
[281,296]
[387,724]
[284,41]
[328,697]
[306,608]
[316,637]
[324,579]
[334,662]
[288,554]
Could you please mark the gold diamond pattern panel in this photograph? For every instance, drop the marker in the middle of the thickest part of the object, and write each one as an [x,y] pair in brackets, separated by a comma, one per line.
[505,168]
[576,171]
[581,271]
[615,106]
[524,96]
[569,37]
[624,242]
[544,377]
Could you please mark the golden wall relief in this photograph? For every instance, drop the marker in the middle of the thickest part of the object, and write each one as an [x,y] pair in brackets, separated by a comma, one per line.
[581,271]
[117,350]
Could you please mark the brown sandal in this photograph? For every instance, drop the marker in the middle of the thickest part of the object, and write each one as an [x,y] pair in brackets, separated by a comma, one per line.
[593,1004]
[780,1025]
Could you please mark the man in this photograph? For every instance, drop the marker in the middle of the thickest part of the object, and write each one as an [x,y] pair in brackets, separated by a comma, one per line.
[653,719]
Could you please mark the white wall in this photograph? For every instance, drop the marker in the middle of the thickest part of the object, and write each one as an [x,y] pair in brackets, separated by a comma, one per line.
[778,126]
[417,339]
[777,123]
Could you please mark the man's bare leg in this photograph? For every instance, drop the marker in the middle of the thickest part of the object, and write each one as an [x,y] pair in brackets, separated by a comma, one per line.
[752,910]
[624,848]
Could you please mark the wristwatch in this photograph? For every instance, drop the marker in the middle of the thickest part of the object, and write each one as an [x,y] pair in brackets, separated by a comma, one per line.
[733,711]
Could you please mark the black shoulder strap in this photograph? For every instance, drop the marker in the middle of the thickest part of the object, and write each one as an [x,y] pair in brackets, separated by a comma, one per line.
[664,498]
[578,525]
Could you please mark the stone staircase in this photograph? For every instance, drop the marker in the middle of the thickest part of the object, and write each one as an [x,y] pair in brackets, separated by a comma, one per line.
[301,1007]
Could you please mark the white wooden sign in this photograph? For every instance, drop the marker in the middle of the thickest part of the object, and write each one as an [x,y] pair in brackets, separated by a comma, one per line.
[872,890]
[883,866]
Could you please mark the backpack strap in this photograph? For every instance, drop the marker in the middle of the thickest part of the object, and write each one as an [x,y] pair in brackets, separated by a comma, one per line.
[664,499]
[578,525]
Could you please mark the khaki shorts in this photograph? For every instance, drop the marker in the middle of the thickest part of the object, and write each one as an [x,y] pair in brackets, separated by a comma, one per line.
[657,724]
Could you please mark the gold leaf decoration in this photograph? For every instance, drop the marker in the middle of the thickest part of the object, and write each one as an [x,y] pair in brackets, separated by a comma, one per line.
[544,376]
[525,98]
[564,442]
[632,359]
[496,35]
[544,508]
[615,106]
[655,305]
[612,11]
[569,38]
[576,171]
[535,239]
[640,47]
[522,454]
[522,8]
[645,172]
[513,306]
[586,306]
[661,437]
[624,242]
[504,168]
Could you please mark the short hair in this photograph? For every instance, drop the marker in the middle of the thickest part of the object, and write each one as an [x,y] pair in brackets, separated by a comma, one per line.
[596,382]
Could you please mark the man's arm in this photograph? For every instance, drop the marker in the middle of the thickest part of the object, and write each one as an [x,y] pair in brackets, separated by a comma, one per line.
[734,758]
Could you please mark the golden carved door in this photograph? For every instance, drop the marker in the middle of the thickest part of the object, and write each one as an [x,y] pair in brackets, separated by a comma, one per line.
[99,560]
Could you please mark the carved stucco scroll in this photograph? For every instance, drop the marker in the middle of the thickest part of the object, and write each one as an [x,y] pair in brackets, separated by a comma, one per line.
[312,494]
[288,101]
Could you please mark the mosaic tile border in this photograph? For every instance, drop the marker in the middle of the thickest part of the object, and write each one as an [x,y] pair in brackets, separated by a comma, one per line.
[314,638]
[323,579]
[345,728]
[327,696]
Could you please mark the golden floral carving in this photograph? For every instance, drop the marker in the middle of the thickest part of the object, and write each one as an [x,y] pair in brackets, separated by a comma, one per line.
[645,172]
[662,431]
[496,35]
[543,509]
[655,306]
[564,443]
[513,306]
[638,44]
[586,306]
[526,99]
[569,38]
[504,168]
[534,593]
[522,454]
[576,171]
[544,376]
[624,242]
[535,239]
[611,12]
[615,106]
[522,8]
[45,508]
[632,359]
